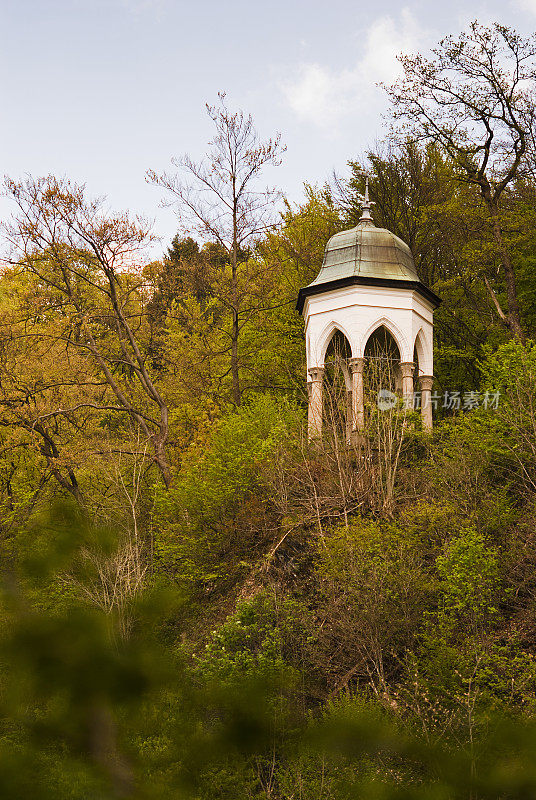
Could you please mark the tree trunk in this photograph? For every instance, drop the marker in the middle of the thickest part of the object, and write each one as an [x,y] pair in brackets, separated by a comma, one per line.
[234,360]
[514,312]
[513,315]
[50,452]
[237,395]
[159,443]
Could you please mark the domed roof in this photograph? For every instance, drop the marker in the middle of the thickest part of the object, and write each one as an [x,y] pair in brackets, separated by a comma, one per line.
[366,255]
[368,252]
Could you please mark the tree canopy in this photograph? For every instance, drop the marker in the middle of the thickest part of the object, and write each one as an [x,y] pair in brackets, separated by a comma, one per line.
[197,600]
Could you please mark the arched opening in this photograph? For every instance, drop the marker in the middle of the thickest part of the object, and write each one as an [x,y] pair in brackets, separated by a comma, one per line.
[337,385]
[419,354]
[381,344]
[382,363]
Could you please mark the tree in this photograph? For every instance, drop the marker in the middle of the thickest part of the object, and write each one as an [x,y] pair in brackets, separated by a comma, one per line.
[183,271]
[220,199]
[186,271]
[88,274]
[474,99]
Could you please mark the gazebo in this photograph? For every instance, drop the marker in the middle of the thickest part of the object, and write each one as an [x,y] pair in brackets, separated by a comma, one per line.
[368,287]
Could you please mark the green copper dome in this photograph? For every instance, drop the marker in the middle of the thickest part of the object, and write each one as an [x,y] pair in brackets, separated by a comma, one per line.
[366,255]
[366,252]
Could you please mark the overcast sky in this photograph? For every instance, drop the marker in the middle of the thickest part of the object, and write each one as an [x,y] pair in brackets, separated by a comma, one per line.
[102,90]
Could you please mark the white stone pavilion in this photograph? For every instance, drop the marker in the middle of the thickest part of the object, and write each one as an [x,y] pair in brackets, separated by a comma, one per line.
[368,284]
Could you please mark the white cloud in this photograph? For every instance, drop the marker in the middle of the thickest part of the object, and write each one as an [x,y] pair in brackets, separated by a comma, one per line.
[324,96]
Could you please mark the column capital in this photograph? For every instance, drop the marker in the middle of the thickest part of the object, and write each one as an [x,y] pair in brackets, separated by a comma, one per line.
[426,382]
[407,368]
[356,364]
[316,373]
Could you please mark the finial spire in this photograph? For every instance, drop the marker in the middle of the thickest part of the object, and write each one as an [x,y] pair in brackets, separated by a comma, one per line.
[366,204]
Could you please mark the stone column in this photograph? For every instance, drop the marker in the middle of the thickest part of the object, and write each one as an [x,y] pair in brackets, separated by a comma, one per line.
[314,418]
[358,409]
[407,368]
[426,401]
[349,415]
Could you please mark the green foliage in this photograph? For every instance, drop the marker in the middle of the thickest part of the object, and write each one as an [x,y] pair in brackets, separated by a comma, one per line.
[472,470]
[66,678]
[257,645]
[510,371]
[213,480]
[373,591]
[508,365]
[469,581]
[225,636]
[217,478]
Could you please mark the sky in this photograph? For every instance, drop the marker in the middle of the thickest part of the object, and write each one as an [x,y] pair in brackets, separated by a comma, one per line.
[99,91]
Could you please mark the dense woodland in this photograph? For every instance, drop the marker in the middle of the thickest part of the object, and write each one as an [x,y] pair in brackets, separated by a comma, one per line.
[198,601]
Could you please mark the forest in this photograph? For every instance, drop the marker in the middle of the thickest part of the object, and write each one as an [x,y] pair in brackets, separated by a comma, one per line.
[199,601]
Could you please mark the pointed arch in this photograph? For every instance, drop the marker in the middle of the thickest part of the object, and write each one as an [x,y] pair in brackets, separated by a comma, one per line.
[325,338]
[425,357]
[337,353]
[401,341]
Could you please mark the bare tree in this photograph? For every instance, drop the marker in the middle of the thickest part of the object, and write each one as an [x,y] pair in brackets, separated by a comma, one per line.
[387,417]
[89,264]
[329,480]
[220,198]
[115,579]
[475,99]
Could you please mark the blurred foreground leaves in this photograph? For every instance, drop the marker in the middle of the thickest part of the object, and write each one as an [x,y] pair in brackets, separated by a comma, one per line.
[89,713]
